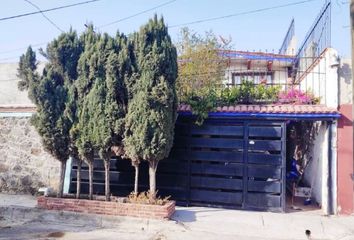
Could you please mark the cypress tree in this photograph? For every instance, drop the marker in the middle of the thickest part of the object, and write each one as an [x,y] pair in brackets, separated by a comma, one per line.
[103,104]
[66,51]
[27,74]
[152,111]
[63,53]
[49,120]
[81,132]
[131,88]
[111,101]
[50,93]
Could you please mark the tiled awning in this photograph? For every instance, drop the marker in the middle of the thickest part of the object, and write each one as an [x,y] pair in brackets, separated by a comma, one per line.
[272,111]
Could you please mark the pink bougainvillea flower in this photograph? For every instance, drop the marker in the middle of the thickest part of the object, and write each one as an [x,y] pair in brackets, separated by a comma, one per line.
[295,96]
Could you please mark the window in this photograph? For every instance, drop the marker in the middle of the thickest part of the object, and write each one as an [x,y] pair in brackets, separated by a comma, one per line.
[255,77]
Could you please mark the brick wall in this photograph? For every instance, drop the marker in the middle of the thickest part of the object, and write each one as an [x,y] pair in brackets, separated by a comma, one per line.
[108,208]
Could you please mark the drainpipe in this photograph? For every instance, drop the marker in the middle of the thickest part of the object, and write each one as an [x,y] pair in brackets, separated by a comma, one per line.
[67,175]
[332,168]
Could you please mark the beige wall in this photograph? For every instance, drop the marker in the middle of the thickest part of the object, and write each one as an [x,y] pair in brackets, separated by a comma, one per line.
[9,94]
[322,79]
[345,81]
[316,172]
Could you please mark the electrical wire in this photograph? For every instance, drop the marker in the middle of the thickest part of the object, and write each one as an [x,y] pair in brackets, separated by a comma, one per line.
[9,58]
[158,6]
[136,14]
[48,10]
[22,48]
[240,13]
[102,26]
[48,19]
[14,50]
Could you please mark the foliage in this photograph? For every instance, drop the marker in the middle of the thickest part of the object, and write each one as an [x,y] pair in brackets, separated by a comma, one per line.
[102,104]
[89,84]
[27,73]
[50,92]
[144,198]
[49,120]
[202,105]
[152,111]
[302,136]
[297,96]
[246,93]
[201,66]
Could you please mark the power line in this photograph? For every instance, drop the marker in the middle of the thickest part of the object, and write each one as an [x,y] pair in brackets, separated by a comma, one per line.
[48,10]
[9,58]
[136,14]
[240,13]
[102,26]
[139,13]
[51,22]
[21,48]
[14,50]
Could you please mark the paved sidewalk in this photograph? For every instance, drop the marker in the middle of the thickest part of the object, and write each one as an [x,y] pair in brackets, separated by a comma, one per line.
[265,225]
[20,219]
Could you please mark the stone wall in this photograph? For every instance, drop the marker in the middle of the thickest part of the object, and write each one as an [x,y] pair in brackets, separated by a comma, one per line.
[24,165]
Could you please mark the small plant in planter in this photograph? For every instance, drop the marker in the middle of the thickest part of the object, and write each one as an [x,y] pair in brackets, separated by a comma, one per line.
[205,100]
[265,94]
[144,198]
[249,93]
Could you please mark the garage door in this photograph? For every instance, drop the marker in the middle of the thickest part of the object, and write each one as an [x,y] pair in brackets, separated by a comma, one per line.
[225,163]
[233,164]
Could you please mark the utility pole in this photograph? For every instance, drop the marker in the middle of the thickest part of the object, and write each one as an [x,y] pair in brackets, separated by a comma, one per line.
[352,35]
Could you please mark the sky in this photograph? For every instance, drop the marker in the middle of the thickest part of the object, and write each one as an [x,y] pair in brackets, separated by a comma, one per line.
[262,31]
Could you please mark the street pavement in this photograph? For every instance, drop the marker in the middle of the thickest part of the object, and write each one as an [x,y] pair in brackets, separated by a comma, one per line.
[20,219]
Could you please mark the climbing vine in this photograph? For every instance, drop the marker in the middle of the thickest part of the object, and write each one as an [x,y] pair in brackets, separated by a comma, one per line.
[302,136]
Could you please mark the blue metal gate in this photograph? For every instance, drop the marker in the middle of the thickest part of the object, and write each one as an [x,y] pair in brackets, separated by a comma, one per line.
[225,162]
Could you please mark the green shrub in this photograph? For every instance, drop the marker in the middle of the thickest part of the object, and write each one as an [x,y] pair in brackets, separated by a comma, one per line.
[206,100]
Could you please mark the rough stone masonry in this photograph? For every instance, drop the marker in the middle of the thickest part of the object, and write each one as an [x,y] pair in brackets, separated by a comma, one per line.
[24,165]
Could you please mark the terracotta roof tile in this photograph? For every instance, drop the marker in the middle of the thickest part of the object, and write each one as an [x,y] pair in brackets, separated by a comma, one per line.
[275,108]
[237,108]
[256,108]
[17,109]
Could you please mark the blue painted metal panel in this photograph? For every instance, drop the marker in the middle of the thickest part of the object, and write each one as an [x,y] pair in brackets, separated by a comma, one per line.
[255,56]
[274,116]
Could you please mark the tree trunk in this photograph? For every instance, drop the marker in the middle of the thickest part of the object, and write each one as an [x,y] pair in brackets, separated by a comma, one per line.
[136,181]
[106,172]
[78,178]
[90,180]
[62,177]
[152,178]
